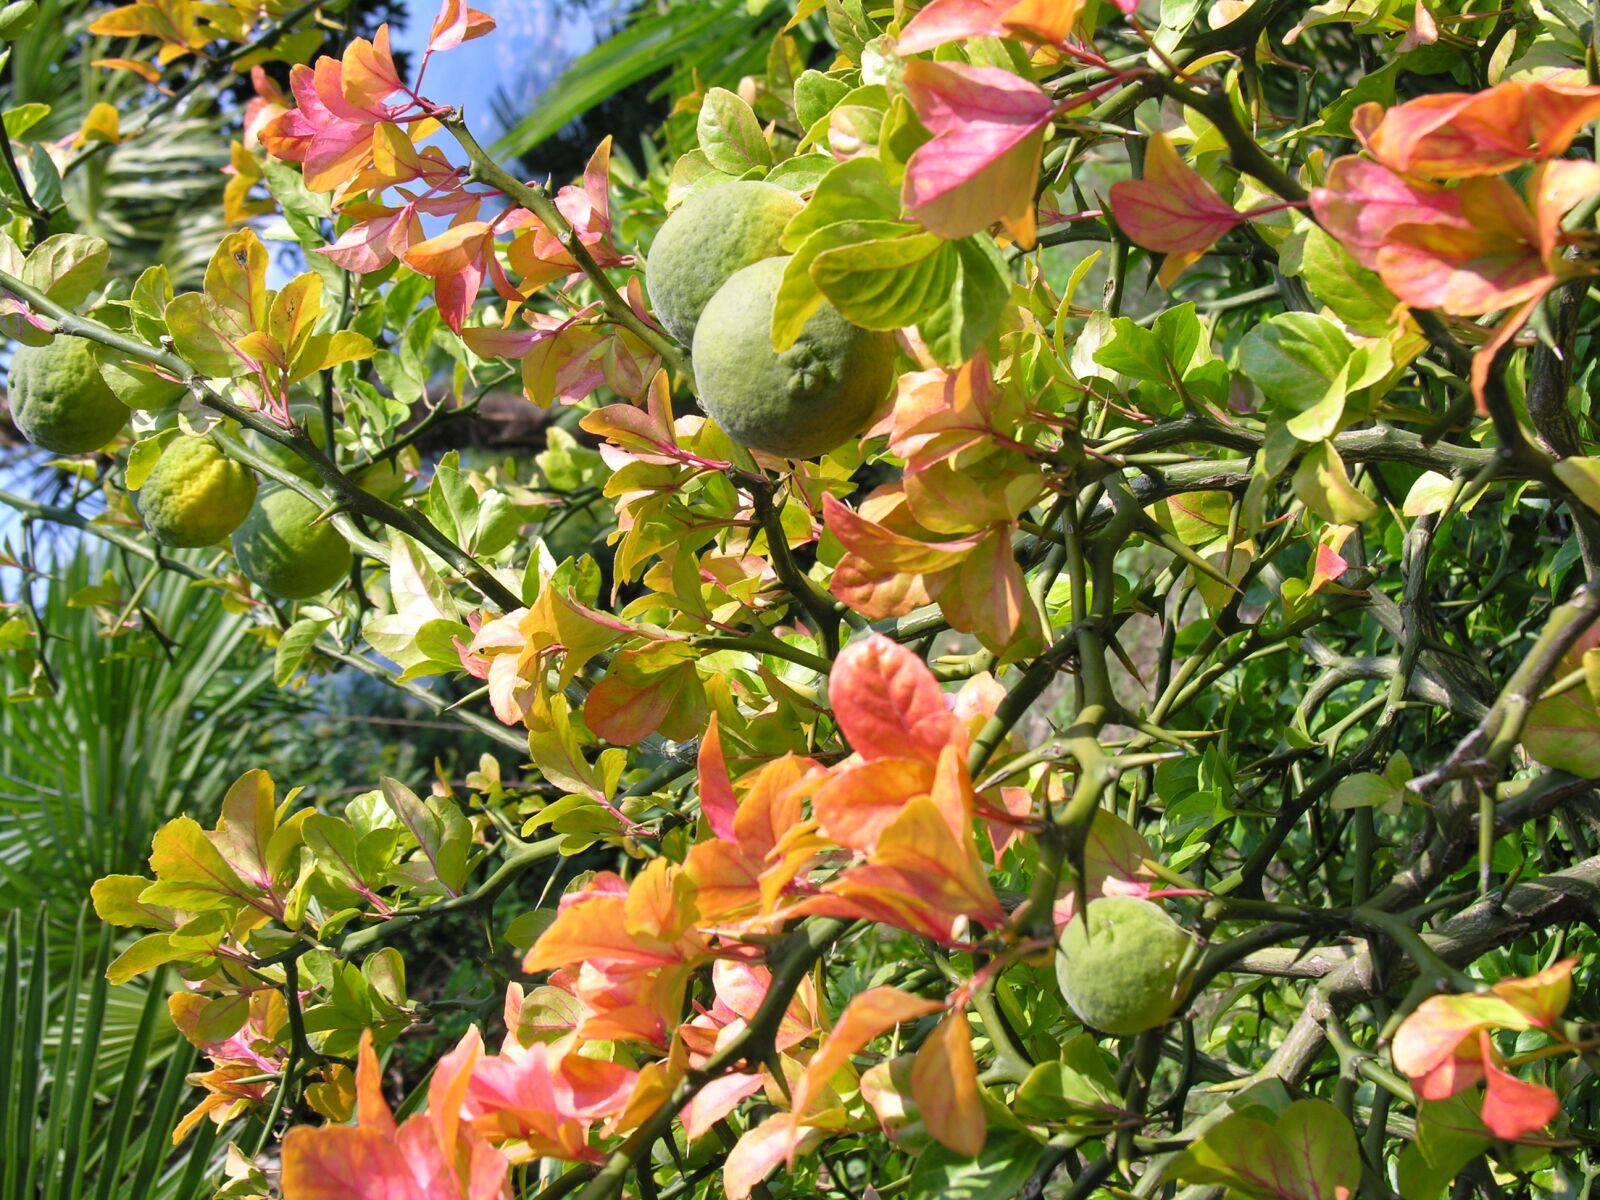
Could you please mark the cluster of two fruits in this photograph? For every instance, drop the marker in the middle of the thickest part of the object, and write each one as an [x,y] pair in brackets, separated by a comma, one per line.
[713,275]
[194,495]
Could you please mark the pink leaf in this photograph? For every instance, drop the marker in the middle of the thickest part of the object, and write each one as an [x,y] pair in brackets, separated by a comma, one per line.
[982,165]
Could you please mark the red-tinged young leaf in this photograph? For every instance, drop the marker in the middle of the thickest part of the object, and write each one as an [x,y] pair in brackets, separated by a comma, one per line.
[1361,201]
[945,21]
[982,165]
[944,1082]
[717,801]
[430,1157]
[370,76]
[760,1150]
[1453,135]
[1512,1108]
[888,703]
[869,1014]
[1171,209]
[1468,271]
[861,800]
[1445,1047]
[1308,1153]
[457,23]
[922,876]
[641,694]
[716,1100]
[985,593]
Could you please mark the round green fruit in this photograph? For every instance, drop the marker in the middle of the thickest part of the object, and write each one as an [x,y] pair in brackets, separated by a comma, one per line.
[195,495]
[58,399]
[282,552]
[1120,971]
[707,238]
[796,403]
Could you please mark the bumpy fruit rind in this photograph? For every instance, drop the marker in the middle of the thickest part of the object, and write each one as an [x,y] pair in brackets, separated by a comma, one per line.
[796,403]
[708,237]
[284,553]
[1121,971]
[58,399]
[195,495]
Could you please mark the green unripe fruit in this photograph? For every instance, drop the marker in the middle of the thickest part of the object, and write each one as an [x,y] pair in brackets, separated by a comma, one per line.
[58,399]
[796,403]
[195,495]
[282,552]
[707,238]
[1120,971]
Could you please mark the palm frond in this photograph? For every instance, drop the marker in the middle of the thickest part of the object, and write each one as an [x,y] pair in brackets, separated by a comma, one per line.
[134,736]
[90,1090]
[715,38]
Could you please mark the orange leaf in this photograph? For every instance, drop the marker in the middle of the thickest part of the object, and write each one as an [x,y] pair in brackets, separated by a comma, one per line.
[716,790]
[1453,135]
[888,703]
[870,1013]
[944,1081]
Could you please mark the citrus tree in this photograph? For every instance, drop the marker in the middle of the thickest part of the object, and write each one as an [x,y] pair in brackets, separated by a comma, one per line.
[1052,649]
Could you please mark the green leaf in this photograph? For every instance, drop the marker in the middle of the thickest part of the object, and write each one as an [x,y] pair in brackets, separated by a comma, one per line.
[333,842]
[1365,790]
[190,874]
[815,95]
[888,284]
[1582,477]
[1081,1082]
[1000,1170]
[1300,361]
[1352,293]
[1308,1153]
[798,295]
[730,136]
[1132,350]
[1325,488]
[203,336]
[245,828]
[143,457]
[800,174]
[1449,1136]
[146,954]
[293,646]
[23,117]
[441,830]
[68,267]
[856,190]
[956,330]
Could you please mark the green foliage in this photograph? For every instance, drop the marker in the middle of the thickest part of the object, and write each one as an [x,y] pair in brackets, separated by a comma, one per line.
[92,1083]
[285,548]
